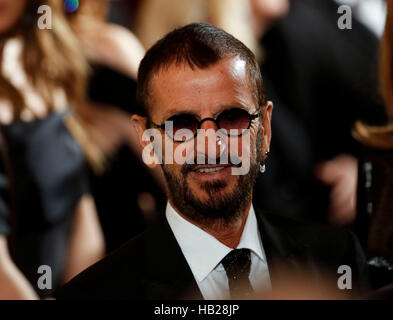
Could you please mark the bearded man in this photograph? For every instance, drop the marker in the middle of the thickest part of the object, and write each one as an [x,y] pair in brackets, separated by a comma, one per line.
[200,92]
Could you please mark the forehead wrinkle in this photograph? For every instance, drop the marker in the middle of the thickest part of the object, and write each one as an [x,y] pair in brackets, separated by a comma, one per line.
[245,102]
[246,98]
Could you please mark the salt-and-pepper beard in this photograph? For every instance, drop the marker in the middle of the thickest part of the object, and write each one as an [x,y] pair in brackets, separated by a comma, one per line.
[224,207]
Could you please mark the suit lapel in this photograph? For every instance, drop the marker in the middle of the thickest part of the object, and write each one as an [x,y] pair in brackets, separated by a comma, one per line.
[284,253]
[168,275]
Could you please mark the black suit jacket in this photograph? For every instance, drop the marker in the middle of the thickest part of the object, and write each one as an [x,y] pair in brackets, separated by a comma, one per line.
[152,266]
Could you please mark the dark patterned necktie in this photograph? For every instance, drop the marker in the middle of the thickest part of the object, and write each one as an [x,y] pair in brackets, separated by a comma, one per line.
[237,266]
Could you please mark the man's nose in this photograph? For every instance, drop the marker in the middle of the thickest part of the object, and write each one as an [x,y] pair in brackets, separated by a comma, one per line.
[209,123]
[209,141]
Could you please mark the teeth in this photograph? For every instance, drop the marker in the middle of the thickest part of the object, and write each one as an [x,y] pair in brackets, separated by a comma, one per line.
[210,170]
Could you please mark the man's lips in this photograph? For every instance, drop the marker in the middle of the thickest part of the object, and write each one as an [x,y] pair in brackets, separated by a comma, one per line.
[211,172]
[213,168]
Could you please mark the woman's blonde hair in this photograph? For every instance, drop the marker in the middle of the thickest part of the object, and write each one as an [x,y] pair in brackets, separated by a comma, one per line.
[51,58]
[374,136]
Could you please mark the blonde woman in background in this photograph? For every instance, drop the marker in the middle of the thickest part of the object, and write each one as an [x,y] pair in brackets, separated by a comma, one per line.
[51,220]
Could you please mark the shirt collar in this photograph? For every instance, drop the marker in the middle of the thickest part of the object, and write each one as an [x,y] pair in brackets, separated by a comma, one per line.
[194,242]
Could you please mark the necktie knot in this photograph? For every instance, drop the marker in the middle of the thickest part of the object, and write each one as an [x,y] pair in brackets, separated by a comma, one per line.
[237,266]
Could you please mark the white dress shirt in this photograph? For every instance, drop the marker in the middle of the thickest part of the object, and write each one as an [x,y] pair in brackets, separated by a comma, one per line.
[204,253]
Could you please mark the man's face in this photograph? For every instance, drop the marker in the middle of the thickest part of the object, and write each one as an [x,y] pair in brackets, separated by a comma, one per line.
[205,93]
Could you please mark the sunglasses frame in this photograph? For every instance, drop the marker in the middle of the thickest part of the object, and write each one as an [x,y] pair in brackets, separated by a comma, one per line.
[250,116]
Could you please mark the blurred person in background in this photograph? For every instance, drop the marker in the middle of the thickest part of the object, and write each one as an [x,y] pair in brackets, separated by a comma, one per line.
[322,79]
[51,218]
[127,194]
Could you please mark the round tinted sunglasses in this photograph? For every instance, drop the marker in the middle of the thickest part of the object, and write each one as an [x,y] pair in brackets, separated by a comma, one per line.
[186,126]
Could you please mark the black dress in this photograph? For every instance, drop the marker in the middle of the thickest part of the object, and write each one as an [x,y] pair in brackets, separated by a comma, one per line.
[47,177]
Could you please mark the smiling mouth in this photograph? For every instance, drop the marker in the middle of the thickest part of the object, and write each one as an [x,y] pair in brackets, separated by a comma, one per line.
[210,170]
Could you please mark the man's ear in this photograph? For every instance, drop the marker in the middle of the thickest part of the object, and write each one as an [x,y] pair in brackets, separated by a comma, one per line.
[267,131]
[140,125]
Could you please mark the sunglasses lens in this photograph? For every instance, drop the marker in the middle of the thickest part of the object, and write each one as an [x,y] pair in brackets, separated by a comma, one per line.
[184,127]
[234,119]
